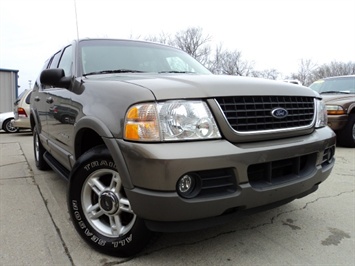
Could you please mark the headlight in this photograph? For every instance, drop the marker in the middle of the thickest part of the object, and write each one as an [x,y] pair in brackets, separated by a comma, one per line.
[321,118]
[335,110]
[170,121]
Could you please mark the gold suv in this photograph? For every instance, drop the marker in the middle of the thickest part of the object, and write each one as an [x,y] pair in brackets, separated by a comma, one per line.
[339,96]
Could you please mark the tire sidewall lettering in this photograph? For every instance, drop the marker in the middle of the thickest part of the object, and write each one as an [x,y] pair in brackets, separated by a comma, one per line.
[96,164]
[123,242]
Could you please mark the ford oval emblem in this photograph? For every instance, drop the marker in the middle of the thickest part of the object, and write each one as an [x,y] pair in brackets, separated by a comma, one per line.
[279,113]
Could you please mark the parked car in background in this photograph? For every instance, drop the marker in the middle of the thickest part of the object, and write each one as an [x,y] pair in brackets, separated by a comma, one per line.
[22,110]
[6,122]
[339,96]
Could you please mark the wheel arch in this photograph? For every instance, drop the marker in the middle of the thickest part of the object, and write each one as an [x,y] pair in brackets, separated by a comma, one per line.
[351,109]
[90,132]
[34,120]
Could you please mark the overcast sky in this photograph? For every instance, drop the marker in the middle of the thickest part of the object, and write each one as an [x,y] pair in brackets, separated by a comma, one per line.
[272,33]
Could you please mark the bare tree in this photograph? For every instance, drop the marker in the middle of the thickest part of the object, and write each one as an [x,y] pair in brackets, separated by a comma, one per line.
[305,72]
[215,60]
[334,69]
[309,72]
[193,42]
[267,74]
[231,63]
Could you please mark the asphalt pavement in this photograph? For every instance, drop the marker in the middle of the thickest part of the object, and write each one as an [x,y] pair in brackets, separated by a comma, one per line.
[35,227]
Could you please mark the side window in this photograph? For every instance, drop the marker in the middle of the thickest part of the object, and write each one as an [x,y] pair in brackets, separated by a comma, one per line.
[66,61]
[55,60]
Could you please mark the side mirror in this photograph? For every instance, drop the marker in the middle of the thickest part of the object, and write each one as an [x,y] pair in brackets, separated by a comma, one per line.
[55,77]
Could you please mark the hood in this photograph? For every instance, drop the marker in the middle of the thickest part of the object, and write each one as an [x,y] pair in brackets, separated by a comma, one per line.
[188,86]
[338,99]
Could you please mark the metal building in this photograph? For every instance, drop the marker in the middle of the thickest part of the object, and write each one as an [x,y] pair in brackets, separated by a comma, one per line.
[8,89]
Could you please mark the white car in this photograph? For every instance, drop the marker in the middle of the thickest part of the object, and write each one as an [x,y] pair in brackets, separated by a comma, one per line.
[6,122]
[22,110]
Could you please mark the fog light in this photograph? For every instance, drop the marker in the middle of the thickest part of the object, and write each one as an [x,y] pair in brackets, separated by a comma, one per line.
[187,186]
[330,154]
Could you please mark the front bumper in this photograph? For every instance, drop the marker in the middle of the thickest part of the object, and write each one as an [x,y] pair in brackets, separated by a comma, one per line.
[155,169]
[22,122]
[337,122]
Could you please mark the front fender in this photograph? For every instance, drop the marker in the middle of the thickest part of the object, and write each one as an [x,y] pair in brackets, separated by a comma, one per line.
[102,130]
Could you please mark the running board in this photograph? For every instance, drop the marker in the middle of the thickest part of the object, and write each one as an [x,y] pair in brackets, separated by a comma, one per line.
[56,166]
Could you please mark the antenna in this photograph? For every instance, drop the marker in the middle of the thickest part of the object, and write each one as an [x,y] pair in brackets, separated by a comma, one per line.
[76,20]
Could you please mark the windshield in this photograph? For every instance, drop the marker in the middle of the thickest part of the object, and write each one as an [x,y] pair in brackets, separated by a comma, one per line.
[335,85]
[118,56]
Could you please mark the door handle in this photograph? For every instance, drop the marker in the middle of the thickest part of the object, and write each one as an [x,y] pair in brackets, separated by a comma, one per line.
[37,99]
[49,100]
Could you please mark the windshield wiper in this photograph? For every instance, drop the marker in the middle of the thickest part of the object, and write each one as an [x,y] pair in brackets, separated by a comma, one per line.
[113,72]
[342,92]
[175,71]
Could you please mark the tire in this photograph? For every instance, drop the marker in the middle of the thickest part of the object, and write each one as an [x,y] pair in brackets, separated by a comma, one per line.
[8,126]
[39,151]
[99,208]
[64,119]
[346,137]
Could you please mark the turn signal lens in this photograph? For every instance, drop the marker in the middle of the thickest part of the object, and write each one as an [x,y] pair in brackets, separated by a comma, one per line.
[132,131]
[142,123]
[335,110]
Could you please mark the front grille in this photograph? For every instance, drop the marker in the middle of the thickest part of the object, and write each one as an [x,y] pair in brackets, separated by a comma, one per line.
[253,113]
[276,172]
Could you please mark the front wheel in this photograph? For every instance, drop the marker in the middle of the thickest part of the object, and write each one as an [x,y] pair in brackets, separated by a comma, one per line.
[39,151]
[100,209]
